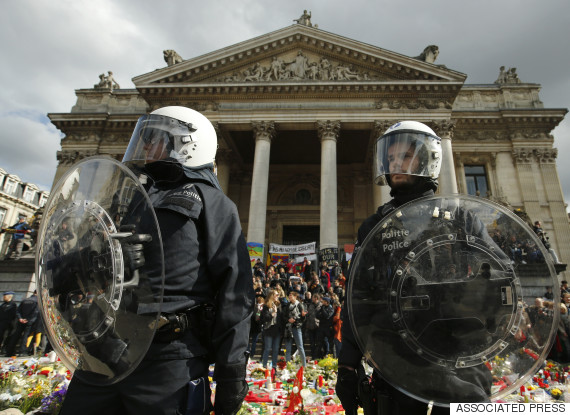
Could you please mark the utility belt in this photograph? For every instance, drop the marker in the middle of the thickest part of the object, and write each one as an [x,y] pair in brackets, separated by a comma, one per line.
[173,326]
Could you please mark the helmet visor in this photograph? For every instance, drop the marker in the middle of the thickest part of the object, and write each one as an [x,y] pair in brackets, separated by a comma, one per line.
[406,152]
[158,138]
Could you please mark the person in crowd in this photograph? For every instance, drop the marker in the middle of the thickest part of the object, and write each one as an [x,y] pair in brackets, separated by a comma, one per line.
[283,278]
[342,280]
[258,287]
[408,159]
[8,311]
[306,268]
[338,290]
[335,271]
[34,339]
[207,279]
[271,323]
[294,317]
[515,250]
[325,328]
[20,231]
[312,323]
[296,285]
[27,314]
[545,241]
[64,236]
[548,295]
[259,269]
[315,286]
[255,329]
[283,299]
[325,279]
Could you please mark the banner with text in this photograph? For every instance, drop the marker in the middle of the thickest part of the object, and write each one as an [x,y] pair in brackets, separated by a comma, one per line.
[294,250]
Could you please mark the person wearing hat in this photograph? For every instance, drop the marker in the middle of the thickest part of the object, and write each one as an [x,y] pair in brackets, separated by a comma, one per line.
[17,244]
[7,315]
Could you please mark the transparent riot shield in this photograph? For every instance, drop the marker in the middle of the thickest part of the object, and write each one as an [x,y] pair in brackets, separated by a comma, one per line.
[444,300]
[100,298]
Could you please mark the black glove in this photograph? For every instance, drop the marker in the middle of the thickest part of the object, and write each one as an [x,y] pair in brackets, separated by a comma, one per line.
[229,397]
[133,256]
[347,390]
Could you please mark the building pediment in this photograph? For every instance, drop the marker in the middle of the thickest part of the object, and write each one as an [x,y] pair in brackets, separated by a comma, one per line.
[299,54]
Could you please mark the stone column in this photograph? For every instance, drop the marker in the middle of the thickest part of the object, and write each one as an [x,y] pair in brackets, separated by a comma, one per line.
[264,131]
[380,194]
[447,177]
[328,133]
[560,240]
[524,158]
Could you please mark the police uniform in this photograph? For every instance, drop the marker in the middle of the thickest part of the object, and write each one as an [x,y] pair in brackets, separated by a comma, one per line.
[7,317]
[27,310]
[476,383]
[207,272]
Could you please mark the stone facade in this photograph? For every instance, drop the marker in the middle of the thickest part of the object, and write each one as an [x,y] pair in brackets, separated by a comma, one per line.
[297,112]
[17,198]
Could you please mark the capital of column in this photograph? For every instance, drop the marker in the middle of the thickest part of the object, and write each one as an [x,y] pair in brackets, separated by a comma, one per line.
[69,157]
[523,155]
[264,130]
[444,128]
[380,127]
[546,155]
[328,130]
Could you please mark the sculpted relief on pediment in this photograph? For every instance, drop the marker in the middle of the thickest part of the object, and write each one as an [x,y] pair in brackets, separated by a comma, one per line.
[299,67]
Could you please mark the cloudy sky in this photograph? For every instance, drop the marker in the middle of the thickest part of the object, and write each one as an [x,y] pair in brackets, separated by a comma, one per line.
[50,48]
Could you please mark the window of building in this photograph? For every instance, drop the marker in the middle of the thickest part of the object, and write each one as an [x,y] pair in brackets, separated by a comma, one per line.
[10,187]
[43,199]
[29,195]
[476,178]
[2,215]
[303,197]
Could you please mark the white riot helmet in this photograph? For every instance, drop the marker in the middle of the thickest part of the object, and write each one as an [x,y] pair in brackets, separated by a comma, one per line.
[407,147]
[177,135]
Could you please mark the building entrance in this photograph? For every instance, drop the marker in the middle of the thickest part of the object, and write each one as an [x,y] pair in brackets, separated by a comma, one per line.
[299,234]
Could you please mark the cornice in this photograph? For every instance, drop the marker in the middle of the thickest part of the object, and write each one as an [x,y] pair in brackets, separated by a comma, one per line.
[211,95]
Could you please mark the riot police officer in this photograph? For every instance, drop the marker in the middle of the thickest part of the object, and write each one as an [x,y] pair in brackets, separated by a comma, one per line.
[408,159]
[208,294]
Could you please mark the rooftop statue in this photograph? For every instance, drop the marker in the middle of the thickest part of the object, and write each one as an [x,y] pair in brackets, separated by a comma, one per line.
[107,82]
[171,57]
[508,77]
[305,19]
[429,54]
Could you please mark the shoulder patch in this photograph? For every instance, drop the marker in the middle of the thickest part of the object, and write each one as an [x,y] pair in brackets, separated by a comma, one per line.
[185,197]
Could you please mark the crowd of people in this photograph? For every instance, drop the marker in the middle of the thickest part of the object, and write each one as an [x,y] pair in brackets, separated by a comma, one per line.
[300,305]
[544,306]
[525,251]
[21,327]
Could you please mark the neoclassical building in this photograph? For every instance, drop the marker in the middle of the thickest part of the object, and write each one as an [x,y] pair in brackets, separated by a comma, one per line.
[297,111]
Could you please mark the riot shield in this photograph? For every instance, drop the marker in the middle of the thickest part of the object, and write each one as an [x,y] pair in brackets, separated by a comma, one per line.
[99,297]
[443,306]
